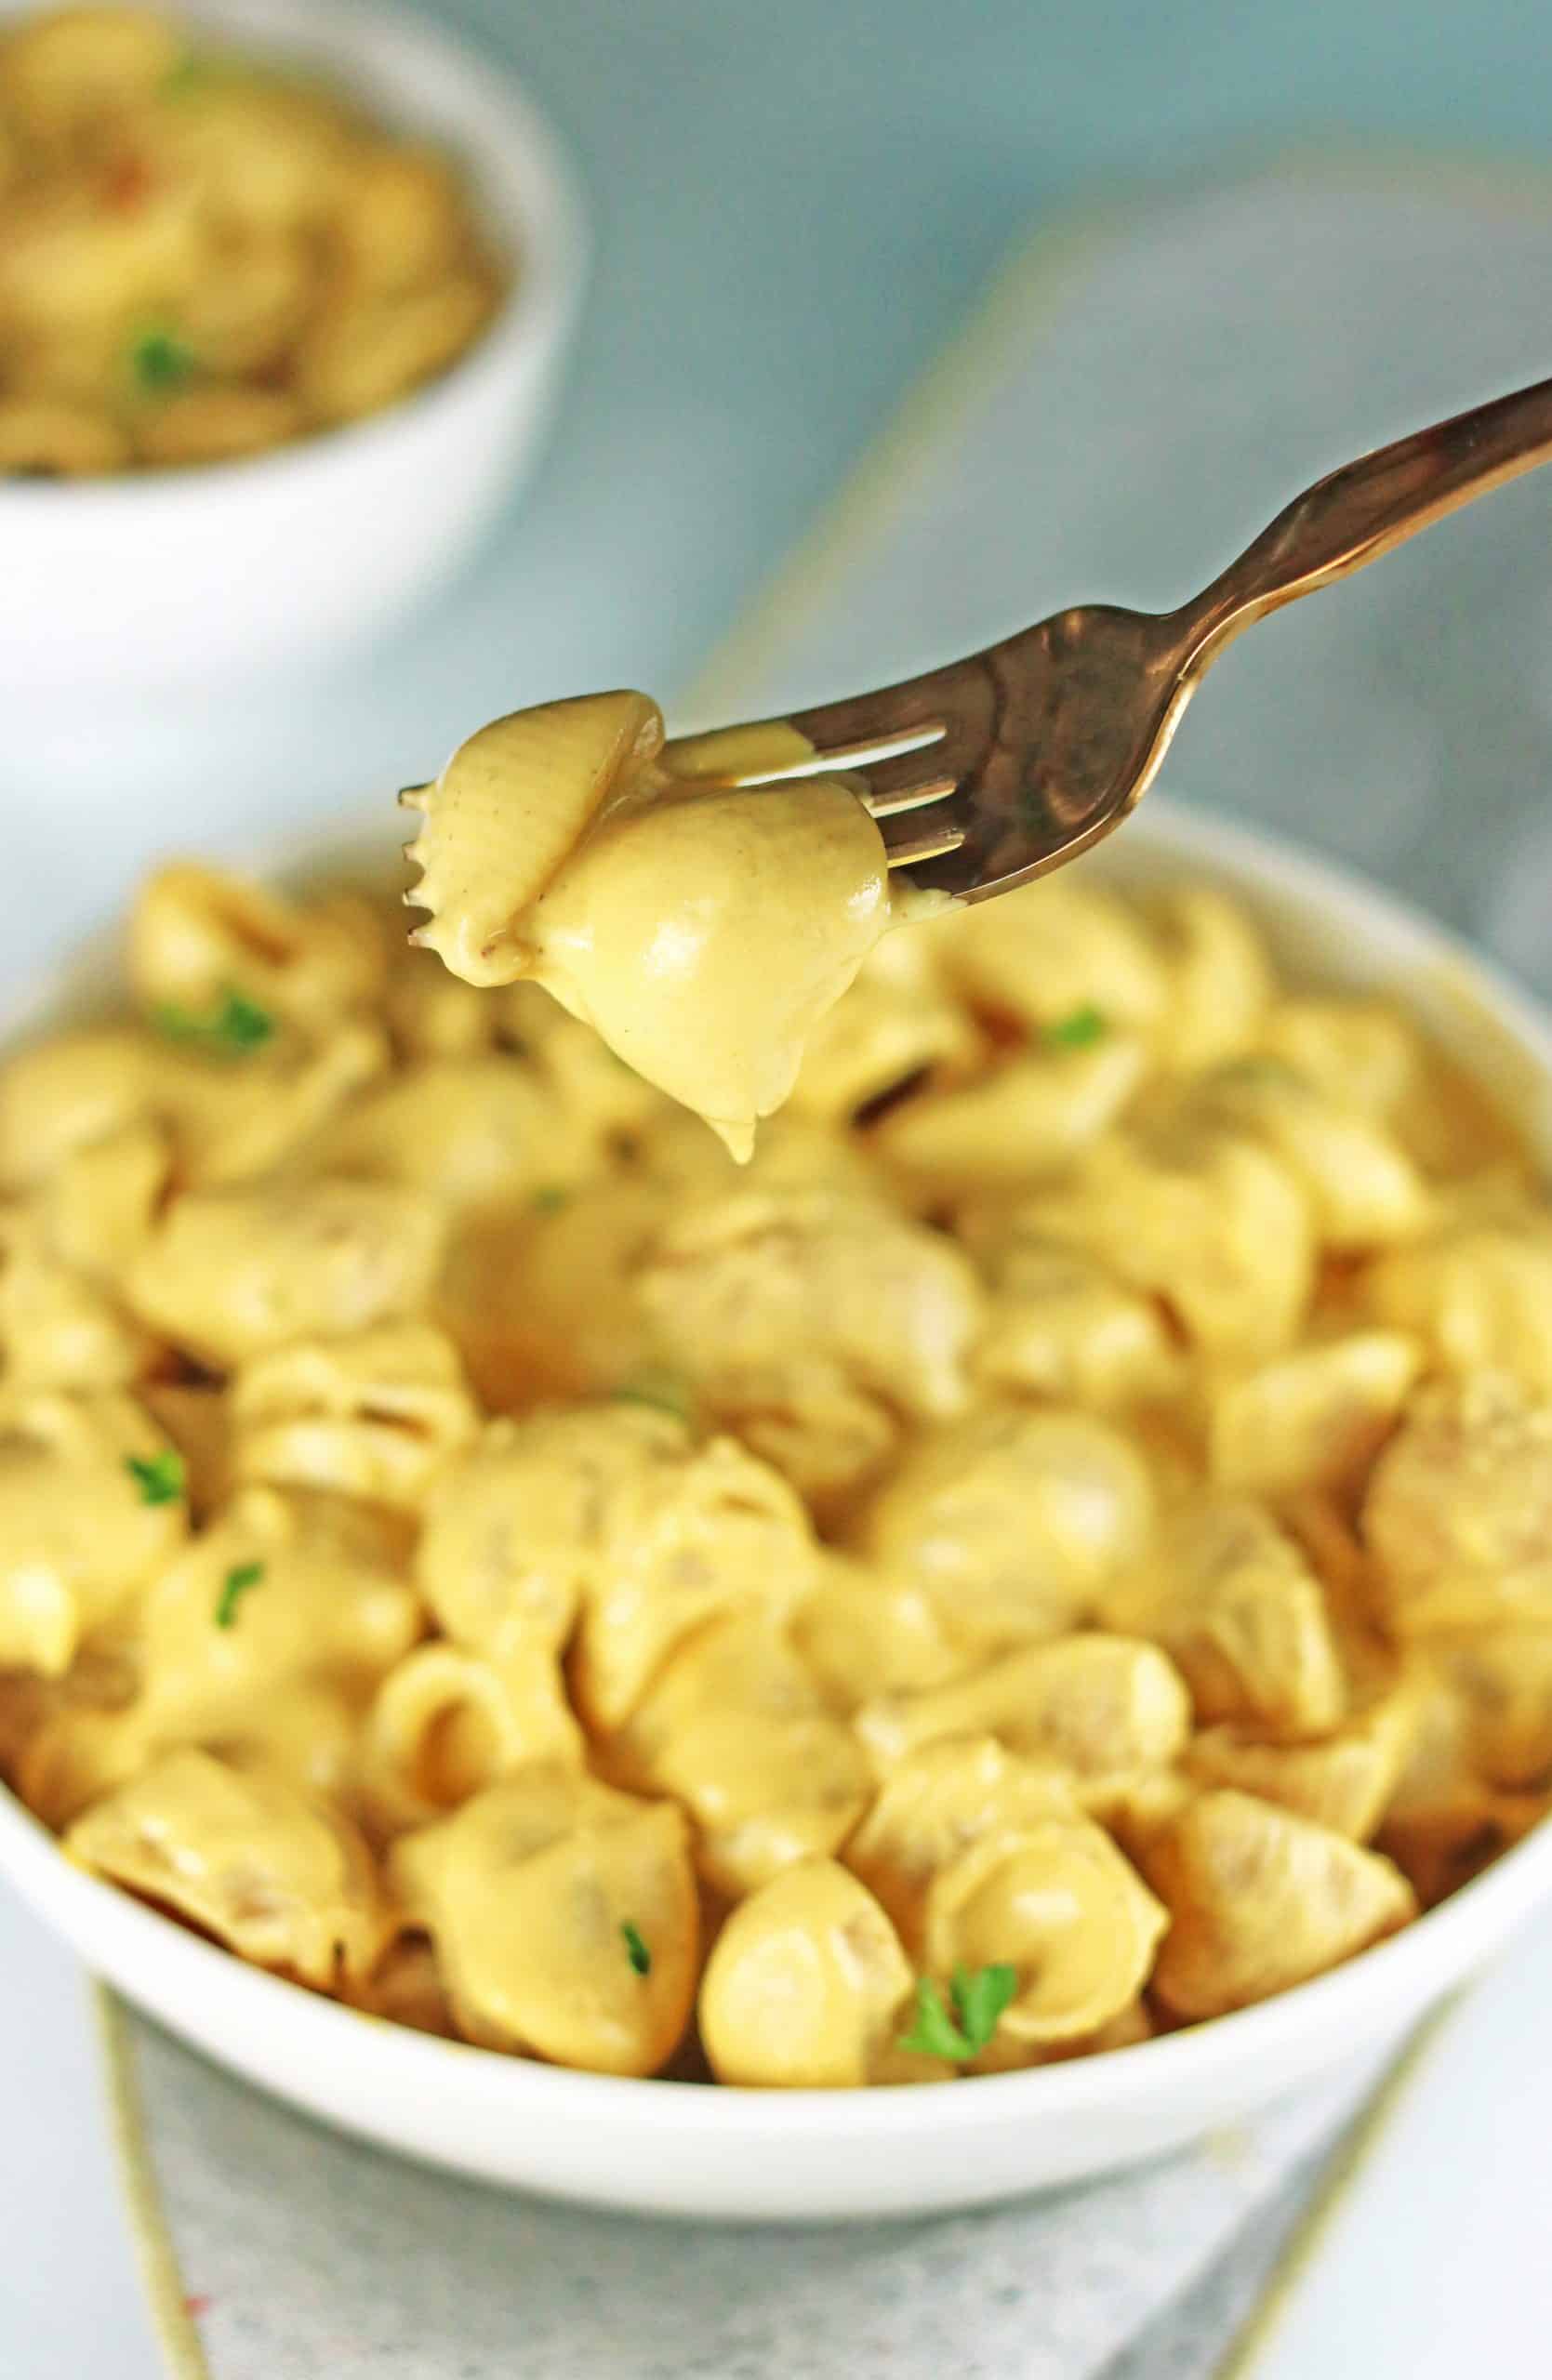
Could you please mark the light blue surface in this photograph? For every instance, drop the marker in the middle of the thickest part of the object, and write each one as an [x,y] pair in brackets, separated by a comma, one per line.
[72,2304]
[798,202]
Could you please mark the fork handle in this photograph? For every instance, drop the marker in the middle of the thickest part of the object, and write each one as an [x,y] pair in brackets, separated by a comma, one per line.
[1355,514]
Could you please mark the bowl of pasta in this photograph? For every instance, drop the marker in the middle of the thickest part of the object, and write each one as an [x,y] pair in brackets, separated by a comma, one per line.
[284,290]
[1013,1631]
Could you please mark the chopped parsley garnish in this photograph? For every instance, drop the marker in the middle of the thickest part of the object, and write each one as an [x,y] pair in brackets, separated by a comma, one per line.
[660,1390]
[636,1950]
[235,1022]
[160,360]
[187,73]
[239,1578]
[551,1199]
[160,1477]
[1080,1029]
[978,1998]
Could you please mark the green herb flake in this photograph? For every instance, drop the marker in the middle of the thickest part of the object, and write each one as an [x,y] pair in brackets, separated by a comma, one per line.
[185,74]
[935,2033]
[160,1477]
[160,360]
[636,1950]
[239,1578]
[661,1391]
[234,1024]
[1080,1029]
[977,1998]
[551,1199]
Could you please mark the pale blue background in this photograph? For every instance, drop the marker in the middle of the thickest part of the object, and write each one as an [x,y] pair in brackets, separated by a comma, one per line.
[796,202]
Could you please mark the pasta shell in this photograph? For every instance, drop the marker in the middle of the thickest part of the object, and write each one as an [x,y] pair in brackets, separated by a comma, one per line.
[509,807]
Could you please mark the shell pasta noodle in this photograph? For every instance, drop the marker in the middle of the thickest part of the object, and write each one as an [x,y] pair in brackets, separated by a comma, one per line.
[1052,1549]
[704,930]
[205,255]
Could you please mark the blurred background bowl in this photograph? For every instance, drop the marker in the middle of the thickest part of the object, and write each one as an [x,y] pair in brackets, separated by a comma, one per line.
[159,580]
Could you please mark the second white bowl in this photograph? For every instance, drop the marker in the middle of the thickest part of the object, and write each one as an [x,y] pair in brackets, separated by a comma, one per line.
[165,578]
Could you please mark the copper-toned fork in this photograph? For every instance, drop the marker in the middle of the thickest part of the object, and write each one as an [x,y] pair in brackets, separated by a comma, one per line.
[1010,762]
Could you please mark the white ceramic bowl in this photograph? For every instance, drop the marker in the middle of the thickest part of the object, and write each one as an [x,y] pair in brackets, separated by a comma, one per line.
[164,578]
[790,2156]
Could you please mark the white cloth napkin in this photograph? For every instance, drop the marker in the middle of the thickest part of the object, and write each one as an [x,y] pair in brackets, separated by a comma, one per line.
[1138,400]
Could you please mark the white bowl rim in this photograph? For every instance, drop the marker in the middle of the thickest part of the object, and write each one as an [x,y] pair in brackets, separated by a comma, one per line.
[534,312]
[1444,1940]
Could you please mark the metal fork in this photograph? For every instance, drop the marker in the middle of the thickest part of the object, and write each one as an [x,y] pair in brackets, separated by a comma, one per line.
[1003,766]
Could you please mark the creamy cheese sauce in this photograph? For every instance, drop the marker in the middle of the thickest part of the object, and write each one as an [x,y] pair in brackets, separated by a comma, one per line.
[702,929]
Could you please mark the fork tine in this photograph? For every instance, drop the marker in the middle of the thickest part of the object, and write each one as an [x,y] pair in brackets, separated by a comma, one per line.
[894,718]
[776,752]
[910,797]
[908,844]
[908,780]
[871,752]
